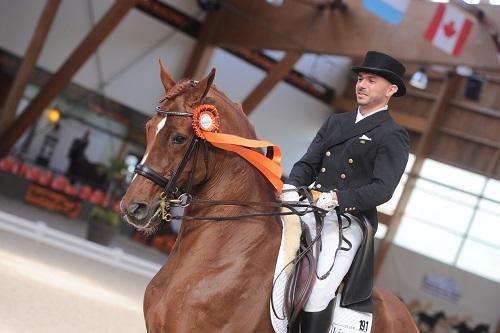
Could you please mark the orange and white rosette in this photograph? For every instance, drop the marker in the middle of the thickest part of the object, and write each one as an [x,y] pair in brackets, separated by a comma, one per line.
[205,119]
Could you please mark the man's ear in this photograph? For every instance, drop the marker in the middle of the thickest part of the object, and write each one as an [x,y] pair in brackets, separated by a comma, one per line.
[391,90]
[202,88]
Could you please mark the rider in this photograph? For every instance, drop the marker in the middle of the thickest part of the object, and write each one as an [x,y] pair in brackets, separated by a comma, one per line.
[356,160]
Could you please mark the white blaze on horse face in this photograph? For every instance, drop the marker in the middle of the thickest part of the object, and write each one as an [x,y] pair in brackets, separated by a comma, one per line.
[159,127]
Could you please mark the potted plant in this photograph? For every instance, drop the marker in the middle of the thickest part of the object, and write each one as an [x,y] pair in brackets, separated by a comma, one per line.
[103,225]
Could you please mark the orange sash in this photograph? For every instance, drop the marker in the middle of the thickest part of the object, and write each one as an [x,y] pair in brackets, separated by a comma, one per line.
[269,167]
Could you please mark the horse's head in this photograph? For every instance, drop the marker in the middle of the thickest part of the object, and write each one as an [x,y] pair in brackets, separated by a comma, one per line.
[175,157]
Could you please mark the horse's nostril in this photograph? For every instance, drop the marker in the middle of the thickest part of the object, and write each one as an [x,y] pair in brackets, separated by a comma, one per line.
[138,210]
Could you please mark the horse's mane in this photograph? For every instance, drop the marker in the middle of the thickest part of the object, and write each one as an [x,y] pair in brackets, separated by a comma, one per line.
[176,90]
[238,112]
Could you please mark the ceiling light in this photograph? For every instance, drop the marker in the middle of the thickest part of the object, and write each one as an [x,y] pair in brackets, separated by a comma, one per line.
[275,3]
[419,79]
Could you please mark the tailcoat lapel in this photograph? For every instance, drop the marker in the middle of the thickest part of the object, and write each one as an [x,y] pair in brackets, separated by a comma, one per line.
[349,129]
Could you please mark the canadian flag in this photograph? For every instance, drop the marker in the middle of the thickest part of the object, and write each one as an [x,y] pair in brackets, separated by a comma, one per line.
[449,29]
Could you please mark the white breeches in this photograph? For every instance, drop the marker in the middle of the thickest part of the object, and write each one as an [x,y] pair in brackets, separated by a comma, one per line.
[323,291]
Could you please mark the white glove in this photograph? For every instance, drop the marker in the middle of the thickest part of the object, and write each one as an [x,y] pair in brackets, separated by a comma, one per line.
[326,201]
[289,193]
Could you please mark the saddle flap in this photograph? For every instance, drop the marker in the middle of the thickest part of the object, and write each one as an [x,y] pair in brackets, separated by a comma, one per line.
[299,284]
[358,283]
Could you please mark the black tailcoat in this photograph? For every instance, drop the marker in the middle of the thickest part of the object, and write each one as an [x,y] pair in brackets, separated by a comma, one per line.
[361,162]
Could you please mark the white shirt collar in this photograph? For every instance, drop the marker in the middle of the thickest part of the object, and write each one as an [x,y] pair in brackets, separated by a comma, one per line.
[360,117]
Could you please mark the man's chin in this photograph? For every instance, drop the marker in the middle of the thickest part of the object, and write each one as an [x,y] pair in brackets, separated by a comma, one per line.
[361,101]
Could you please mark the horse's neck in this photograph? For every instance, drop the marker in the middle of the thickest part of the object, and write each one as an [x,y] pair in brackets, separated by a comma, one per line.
[236,180]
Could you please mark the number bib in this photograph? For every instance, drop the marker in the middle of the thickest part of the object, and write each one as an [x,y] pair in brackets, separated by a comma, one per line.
[350,321]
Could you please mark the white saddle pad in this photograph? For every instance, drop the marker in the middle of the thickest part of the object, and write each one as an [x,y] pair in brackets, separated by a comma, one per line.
[290,242]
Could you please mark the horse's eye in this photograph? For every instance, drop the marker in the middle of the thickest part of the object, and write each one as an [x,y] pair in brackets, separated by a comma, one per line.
[179,139]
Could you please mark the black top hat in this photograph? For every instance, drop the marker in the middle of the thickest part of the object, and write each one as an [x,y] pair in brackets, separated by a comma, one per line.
[386,66]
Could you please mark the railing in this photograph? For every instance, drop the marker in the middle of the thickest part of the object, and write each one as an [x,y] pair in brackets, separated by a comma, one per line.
[40,232]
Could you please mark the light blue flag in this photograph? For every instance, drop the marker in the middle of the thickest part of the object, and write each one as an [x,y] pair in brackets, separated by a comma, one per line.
[391,11]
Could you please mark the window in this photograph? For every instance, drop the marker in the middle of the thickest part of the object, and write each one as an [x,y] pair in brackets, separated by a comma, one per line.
[453,216]
[428,240]
[452,176]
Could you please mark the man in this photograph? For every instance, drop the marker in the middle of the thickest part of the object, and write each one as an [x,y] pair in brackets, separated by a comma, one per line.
[356,160]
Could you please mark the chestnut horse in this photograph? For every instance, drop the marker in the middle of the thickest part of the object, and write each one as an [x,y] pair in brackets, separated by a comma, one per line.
[218,277]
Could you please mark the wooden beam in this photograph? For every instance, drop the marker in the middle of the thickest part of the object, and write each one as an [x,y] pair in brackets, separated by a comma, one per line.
[204,48]
[412,123]
[64,74]
[293,26]
[29,63]
[431,128]
[344,104]
[279,71]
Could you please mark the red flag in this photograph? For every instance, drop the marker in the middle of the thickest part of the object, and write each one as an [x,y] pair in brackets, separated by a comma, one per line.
[449,29]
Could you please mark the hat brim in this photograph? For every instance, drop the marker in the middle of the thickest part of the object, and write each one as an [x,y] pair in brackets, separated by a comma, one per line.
[386,74]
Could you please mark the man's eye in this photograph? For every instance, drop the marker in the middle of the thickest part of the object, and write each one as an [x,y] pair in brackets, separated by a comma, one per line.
[179,139]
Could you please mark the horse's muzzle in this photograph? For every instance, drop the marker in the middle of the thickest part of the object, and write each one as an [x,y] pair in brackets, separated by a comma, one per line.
[137,211]
[141,215]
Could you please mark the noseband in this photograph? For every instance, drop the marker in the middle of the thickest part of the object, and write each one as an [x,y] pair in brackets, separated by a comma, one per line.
[169,185]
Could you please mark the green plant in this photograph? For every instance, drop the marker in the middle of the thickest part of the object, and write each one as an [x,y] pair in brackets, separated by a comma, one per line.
[116,168]
[105,216]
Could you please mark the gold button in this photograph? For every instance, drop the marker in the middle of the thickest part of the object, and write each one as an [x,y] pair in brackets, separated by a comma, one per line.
[318,185]
[323,169]
[342,175]
[328,153]
[351,161]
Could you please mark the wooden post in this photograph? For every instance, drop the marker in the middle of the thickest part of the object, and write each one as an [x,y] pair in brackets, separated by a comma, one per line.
[431,128]
[204,48]
[63,75]
[279,71]
[29,62]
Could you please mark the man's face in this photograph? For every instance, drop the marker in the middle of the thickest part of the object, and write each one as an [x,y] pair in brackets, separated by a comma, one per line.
[373,90]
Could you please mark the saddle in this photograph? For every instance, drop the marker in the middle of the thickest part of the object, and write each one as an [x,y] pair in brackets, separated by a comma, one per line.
[358,282]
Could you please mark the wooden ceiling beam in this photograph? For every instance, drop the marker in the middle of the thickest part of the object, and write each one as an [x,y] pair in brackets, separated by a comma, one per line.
[64,74]
[279,71]
[28,65]
[293,26]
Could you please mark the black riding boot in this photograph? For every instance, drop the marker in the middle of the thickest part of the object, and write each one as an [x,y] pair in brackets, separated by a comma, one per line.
[317,322]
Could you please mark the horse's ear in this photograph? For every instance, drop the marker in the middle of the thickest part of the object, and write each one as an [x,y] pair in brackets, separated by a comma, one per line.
[203,86]
[166,79]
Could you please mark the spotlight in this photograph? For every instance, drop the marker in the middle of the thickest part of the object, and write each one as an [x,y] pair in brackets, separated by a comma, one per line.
[473,88]
[208,5]
[419,79]
[275,3]
[53,115]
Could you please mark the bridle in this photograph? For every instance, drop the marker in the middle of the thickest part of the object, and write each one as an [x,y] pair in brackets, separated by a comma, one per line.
[171,192]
